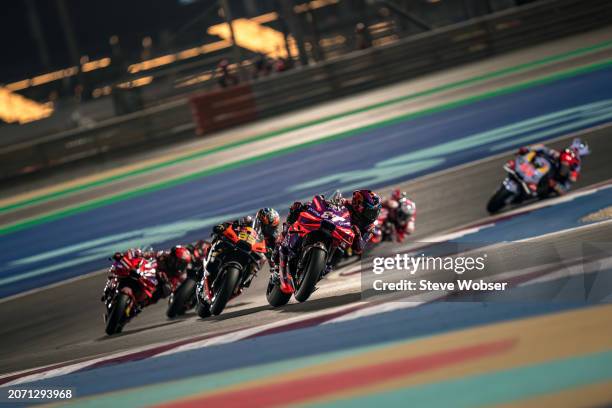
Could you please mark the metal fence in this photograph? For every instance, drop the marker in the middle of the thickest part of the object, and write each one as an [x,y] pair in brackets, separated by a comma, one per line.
[346,75]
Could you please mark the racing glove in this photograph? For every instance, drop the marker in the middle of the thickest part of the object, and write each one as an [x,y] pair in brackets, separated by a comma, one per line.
[357,241]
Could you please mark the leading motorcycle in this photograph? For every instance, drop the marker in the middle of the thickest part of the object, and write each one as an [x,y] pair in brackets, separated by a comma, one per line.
[312,243]
[523,181]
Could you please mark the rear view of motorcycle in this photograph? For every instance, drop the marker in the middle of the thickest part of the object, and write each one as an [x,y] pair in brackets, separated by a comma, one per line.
[311,242]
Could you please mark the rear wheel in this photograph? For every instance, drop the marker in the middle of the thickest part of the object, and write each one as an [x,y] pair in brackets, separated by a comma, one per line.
[116,318]
[225,290]
[276,297]
[182,298]
[498,201]
[311,274]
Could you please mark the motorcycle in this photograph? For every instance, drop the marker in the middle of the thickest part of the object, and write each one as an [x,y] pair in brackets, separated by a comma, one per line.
[386,228]
[313,241]
[183,296]
[131,286]
[523,182]
[231,263]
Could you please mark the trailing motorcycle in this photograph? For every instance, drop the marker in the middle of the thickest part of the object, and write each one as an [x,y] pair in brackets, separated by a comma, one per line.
[231,263]
[130,287]
[523,182]
[183,296]
[313,241]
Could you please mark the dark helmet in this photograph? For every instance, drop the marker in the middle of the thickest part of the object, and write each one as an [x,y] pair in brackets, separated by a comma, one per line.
[367,204]
[268,217]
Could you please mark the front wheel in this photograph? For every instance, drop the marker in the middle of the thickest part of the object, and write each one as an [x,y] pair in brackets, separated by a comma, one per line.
[203,310]
[117,315]
[311,274]
[499,199]
[225,290]
[182,298]
[276,297]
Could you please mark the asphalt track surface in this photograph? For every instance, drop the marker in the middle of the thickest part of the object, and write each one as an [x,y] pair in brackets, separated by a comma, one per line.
[65,323]
[554,296]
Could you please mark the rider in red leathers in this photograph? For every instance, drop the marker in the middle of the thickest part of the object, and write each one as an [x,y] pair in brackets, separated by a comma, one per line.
[401,212]
[130,260]
[172,263]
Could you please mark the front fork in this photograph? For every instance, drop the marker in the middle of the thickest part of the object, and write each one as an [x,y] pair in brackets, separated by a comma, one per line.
[285,279]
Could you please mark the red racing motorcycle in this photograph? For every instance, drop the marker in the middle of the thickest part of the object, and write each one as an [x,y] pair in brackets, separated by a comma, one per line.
[131,286]
[321,233]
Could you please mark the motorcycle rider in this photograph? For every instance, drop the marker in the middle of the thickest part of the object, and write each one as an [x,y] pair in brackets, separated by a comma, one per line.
[269,221]
[172,263]
[401,212]
[199,251]
[564,166]
[364,208]
[129,260]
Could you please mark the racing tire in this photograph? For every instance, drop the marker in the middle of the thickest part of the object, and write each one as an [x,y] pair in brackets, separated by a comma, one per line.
[276,297]
[115,321]
[312,272]
[181,299]
[226,289]
[498,201]
[203,310]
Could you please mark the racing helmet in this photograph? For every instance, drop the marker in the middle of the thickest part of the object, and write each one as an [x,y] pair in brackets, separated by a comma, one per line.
[367,204]
[268,217]
[397,194]
[181,256]
[568,162]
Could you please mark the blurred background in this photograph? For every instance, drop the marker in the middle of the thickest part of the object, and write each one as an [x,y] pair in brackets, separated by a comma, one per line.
[71,65]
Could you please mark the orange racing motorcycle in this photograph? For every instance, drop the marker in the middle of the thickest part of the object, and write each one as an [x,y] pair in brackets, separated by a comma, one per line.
[233,260]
